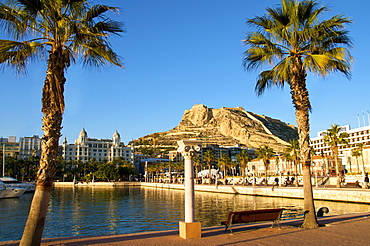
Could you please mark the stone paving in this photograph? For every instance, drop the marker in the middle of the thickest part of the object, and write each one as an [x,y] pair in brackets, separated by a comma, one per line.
[343,230]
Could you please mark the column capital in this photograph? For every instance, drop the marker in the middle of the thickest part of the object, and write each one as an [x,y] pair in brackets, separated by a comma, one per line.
[189,147]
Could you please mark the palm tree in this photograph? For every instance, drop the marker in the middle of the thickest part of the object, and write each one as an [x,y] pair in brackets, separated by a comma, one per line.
[178,167]
[243,160]
[151,169]
[209,157]
[293,150]
[197,163]
[225,162]
[288,160]
[292,39]
[265,153]
[61,31]
[334,138]
[356,153]
[360,149]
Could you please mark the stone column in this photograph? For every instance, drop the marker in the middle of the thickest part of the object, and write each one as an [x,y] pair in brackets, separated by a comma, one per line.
[189,228]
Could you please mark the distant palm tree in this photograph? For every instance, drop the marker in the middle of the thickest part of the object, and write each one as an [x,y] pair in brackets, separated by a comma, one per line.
[225,162]
[150,169]
[293,150]
[197,163]
[61,31]
[209,157]
[292,39]
[243,160]
[334,138]
[178,168]
[265,153]
[356,153]
[360,149]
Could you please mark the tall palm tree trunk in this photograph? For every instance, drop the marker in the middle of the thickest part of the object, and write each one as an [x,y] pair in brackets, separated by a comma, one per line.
[310,220]
[266,183]
[296,182]
[337,167]
[52,108]
[209,173]
[302,106]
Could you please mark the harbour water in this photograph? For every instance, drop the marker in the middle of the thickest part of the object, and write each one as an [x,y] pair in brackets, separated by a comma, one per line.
[79,211]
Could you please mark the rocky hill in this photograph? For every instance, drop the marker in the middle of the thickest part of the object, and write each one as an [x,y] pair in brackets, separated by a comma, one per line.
[225,127]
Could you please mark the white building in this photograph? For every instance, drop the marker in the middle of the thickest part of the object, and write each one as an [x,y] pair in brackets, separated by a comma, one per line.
[86,148]
[29,146]
[357,136]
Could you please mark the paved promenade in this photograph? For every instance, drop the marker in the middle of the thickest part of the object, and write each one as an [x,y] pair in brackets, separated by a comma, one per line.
[338,230]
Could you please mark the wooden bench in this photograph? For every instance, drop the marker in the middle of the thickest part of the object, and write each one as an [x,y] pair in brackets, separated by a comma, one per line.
[273,215]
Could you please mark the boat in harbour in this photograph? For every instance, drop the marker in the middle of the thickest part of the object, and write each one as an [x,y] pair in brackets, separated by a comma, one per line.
[9,192]
[14,183]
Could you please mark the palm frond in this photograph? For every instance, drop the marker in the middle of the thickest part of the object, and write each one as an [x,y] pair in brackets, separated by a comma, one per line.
[110,27]
[275,77]
[16,55]
[31,6]
[262,51]
[13,21]
[98,54]
[98,10]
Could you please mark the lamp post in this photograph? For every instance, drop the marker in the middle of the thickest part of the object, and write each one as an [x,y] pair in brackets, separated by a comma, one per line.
[315,165]
[3,159]
[189,228]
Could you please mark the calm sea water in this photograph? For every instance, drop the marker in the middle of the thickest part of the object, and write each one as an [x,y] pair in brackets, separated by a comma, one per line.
[77,211]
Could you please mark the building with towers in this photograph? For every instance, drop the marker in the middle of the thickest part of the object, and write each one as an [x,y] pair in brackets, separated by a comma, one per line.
[86,148]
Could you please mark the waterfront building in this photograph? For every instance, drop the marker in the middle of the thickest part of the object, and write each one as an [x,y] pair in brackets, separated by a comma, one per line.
[138,162]
[86,148]
[175,156]
[145,163]
[29,146]
[8,139]
[278,166]
[9,147]
[230,151]
[350,163]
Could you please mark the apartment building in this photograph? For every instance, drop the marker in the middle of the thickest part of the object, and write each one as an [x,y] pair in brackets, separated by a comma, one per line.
[29,146]
[360,135]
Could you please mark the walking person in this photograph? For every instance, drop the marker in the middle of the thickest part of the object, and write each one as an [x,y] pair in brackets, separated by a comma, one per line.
[366,181]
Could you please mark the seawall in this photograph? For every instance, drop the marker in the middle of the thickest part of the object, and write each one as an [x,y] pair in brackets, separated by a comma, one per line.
[356,195]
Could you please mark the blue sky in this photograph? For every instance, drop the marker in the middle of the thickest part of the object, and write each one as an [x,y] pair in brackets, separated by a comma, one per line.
[178,53]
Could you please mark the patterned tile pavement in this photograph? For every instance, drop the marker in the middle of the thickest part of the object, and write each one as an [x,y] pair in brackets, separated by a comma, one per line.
[353,229]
